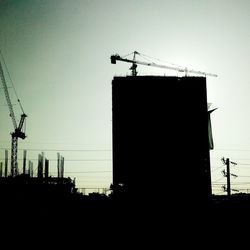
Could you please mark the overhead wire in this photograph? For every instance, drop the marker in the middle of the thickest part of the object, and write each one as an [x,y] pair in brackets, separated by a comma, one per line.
[63,150]
[216,169]
[218,179]
[67,160]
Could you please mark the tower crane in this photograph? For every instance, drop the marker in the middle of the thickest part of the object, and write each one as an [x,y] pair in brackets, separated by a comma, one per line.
[18,133]
[134,62]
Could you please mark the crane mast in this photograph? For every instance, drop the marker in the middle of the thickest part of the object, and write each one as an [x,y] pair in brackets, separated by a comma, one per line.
[134,62]
[17,129]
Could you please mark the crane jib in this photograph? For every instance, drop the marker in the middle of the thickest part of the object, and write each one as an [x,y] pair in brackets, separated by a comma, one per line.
[117,57]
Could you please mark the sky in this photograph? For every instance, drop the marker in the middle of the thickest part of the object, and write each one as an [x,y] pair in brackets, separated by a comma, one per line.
[57,53]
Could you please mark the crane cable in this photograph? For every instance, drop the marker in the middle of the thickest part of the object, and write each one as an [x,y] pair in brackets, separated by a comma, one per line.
[178,67]
[128,55]
[159,60]
[18,100]
[151,60]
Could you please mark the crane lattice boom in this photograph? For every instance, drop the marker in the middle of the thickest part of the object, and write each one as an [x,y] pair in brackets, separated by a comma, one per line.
[134,62]
[5,88]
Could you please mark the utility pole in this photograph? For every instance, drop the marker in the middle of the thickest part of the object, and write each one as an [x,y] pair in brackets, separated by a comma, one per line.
[228,175]
[228,178]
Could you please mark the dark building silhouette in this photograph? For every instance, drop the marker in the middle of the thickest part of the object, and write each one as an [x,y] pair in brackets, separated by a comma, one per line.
[160,139]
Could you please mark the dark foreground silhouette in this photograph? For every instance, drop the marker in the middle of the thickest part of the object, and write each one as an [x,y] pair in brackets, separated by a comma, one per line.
[53,213]
[30,200]
[161,190]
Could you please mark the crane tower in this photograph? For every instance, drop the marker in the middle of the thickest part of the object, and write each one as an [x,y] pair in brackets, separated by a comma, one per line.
[18,133]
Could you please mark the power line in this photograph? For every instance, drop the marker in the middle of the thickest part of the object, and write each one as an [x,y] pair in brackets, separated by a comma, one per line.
[238,183]
[65,150]
[67,160]
[216,169]
[83,172]
[244,176]
[230,149]
[219,179]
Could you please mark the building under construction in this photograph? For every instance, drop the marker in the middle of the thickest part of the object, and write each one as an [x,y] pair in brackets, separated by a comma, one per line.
[160,138]
[28,186]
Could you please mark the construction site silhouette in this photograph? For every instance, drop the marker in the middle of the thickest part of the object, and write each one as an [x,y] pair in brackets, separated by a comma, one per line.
[161,166]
